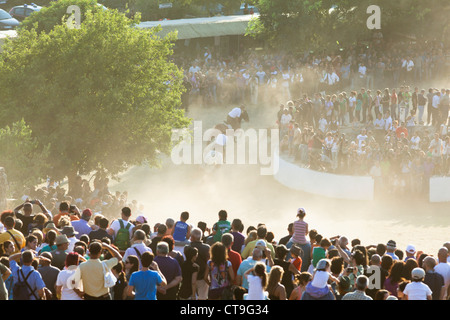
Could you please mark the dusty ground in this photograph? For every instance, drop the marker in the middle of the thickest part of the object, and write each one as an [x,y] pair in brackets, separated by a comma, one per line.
[245,194]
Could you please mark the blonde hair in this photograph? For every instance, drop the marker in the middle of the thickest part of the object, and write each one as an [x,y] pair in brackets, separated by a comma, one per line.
[275,275]
[64,221]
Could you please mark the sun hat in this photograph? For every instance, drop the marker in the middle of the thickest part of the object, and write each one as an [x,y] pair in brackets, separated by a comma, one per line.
[417,273]
[61,239]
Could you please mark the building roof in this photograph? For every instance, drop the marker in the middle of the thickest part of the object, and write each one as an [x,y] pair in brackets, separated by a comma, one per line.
[202,27]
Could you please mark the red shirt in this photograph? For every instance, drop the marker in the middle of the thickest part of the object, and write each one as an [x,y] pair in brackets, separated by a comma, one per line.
[401,130]
[235,259]
[297,263]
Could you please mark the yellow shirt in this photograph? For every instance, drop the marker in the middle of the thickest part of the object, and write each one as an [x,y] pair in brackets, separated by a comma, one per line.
[91,275]
[17,235]
[248,250]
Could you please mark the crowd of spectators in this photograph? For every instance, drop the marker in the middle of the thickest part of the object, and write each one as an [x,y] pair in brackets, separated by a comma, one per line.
[92,257]
[364,111]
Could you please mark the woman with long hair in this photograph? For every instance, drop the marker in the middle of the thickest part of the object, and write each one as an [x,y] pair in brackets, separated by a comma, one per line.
[119,289]
[7,248]
[274,288]
[49,241]
[257,282]
[395,277]
[131,265]
[301,280]
[219,272]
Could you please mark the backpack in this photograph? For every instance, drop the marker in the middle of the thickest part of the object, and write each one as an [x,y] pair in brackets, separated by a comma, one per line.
[21,289]
[122,240]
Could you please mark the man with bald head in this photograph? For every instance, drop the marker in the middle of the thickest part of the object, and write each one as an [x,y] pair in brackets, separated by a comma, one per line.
[443,267]
[376,275]
[447,245]
[433,279]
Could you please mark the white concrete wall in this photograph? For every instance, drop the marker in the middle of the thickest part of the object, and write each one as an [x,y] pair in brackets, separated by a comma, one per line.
[325,184]
[440,189]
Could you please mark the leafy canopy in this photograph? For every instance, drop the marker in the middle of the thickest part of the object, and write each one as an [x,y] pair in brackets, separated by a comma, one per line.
[102,97]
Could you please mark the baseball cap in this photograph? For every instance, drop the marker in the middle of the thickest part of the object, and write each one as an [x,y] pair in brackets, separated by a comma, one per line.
[417,273]
[87,213]
[411,249]
[260,244]
[141,219]
[391,244]
[322,264]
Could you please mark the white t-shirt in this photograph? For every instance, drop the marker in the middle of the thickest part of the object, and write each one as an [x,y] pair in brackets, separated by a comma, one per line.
[255,289]
[116,226]
[285,118]
[361,138]
[235,113]
[320,279]
[417,291]
[61,280]
[444,270]
[378,123]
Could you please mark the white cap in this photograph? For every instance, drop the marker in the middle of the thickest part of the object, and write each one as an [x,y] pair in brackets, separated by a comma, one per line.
[411,249]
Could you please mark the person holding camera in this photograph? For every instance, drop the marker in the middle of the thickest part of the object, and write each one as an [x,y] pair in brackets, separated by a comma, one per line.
[27,216]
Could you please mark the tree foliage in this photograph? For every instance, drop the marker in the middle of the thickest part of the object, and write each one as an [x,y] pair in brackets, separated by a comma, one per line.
[104,97]
[22,156]
[326,24]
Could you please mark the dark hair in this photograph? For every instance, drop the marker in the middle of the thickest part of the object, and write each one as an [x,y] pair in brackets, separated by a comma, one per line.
[237,224]
[337,264]
[261,232]
[333,253]
[30,238]
[260,271]
[126,212]
[355,242]
[410,264]
[147,259]
[218,253]
[227,239]
[50,237]
[135,262]
[103,223]
[270,236]
[223,215]
[396,272]
[72,259]
[281,251]
[85,239]
[239,292]
[95,248]
[162,228]
[387,262]
[5,245]
[190,252]
[80,250]
[363,250]
[27,256]
[9,222]
[359,257]
[318,238]
[399,253]
[325,243]
[64,206]
[250,229]
[185,215]
[420,260]
[380,294]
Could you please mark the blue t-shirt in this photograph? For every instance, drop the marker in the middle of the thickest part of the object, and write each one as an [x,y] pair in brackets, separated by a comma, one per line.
[180,231]
[144,283]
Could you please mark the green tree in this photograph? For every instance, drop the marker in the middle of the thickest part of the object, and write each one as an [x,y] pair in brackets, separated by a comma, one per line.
[22,156]
[104,97]
[56,13]
[293,25]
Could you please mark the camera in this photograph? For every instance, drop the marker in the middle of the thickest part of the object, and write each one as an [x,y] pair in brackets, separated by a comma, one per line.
[350,269]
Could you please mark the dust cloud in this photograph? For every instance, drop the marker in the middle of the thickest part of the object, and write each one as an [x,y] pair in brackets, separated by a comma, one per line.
[203,190]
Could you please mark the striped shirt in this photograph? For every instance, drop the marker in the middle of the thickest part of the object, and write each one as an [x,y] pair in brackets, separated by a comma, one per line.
[299,235]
